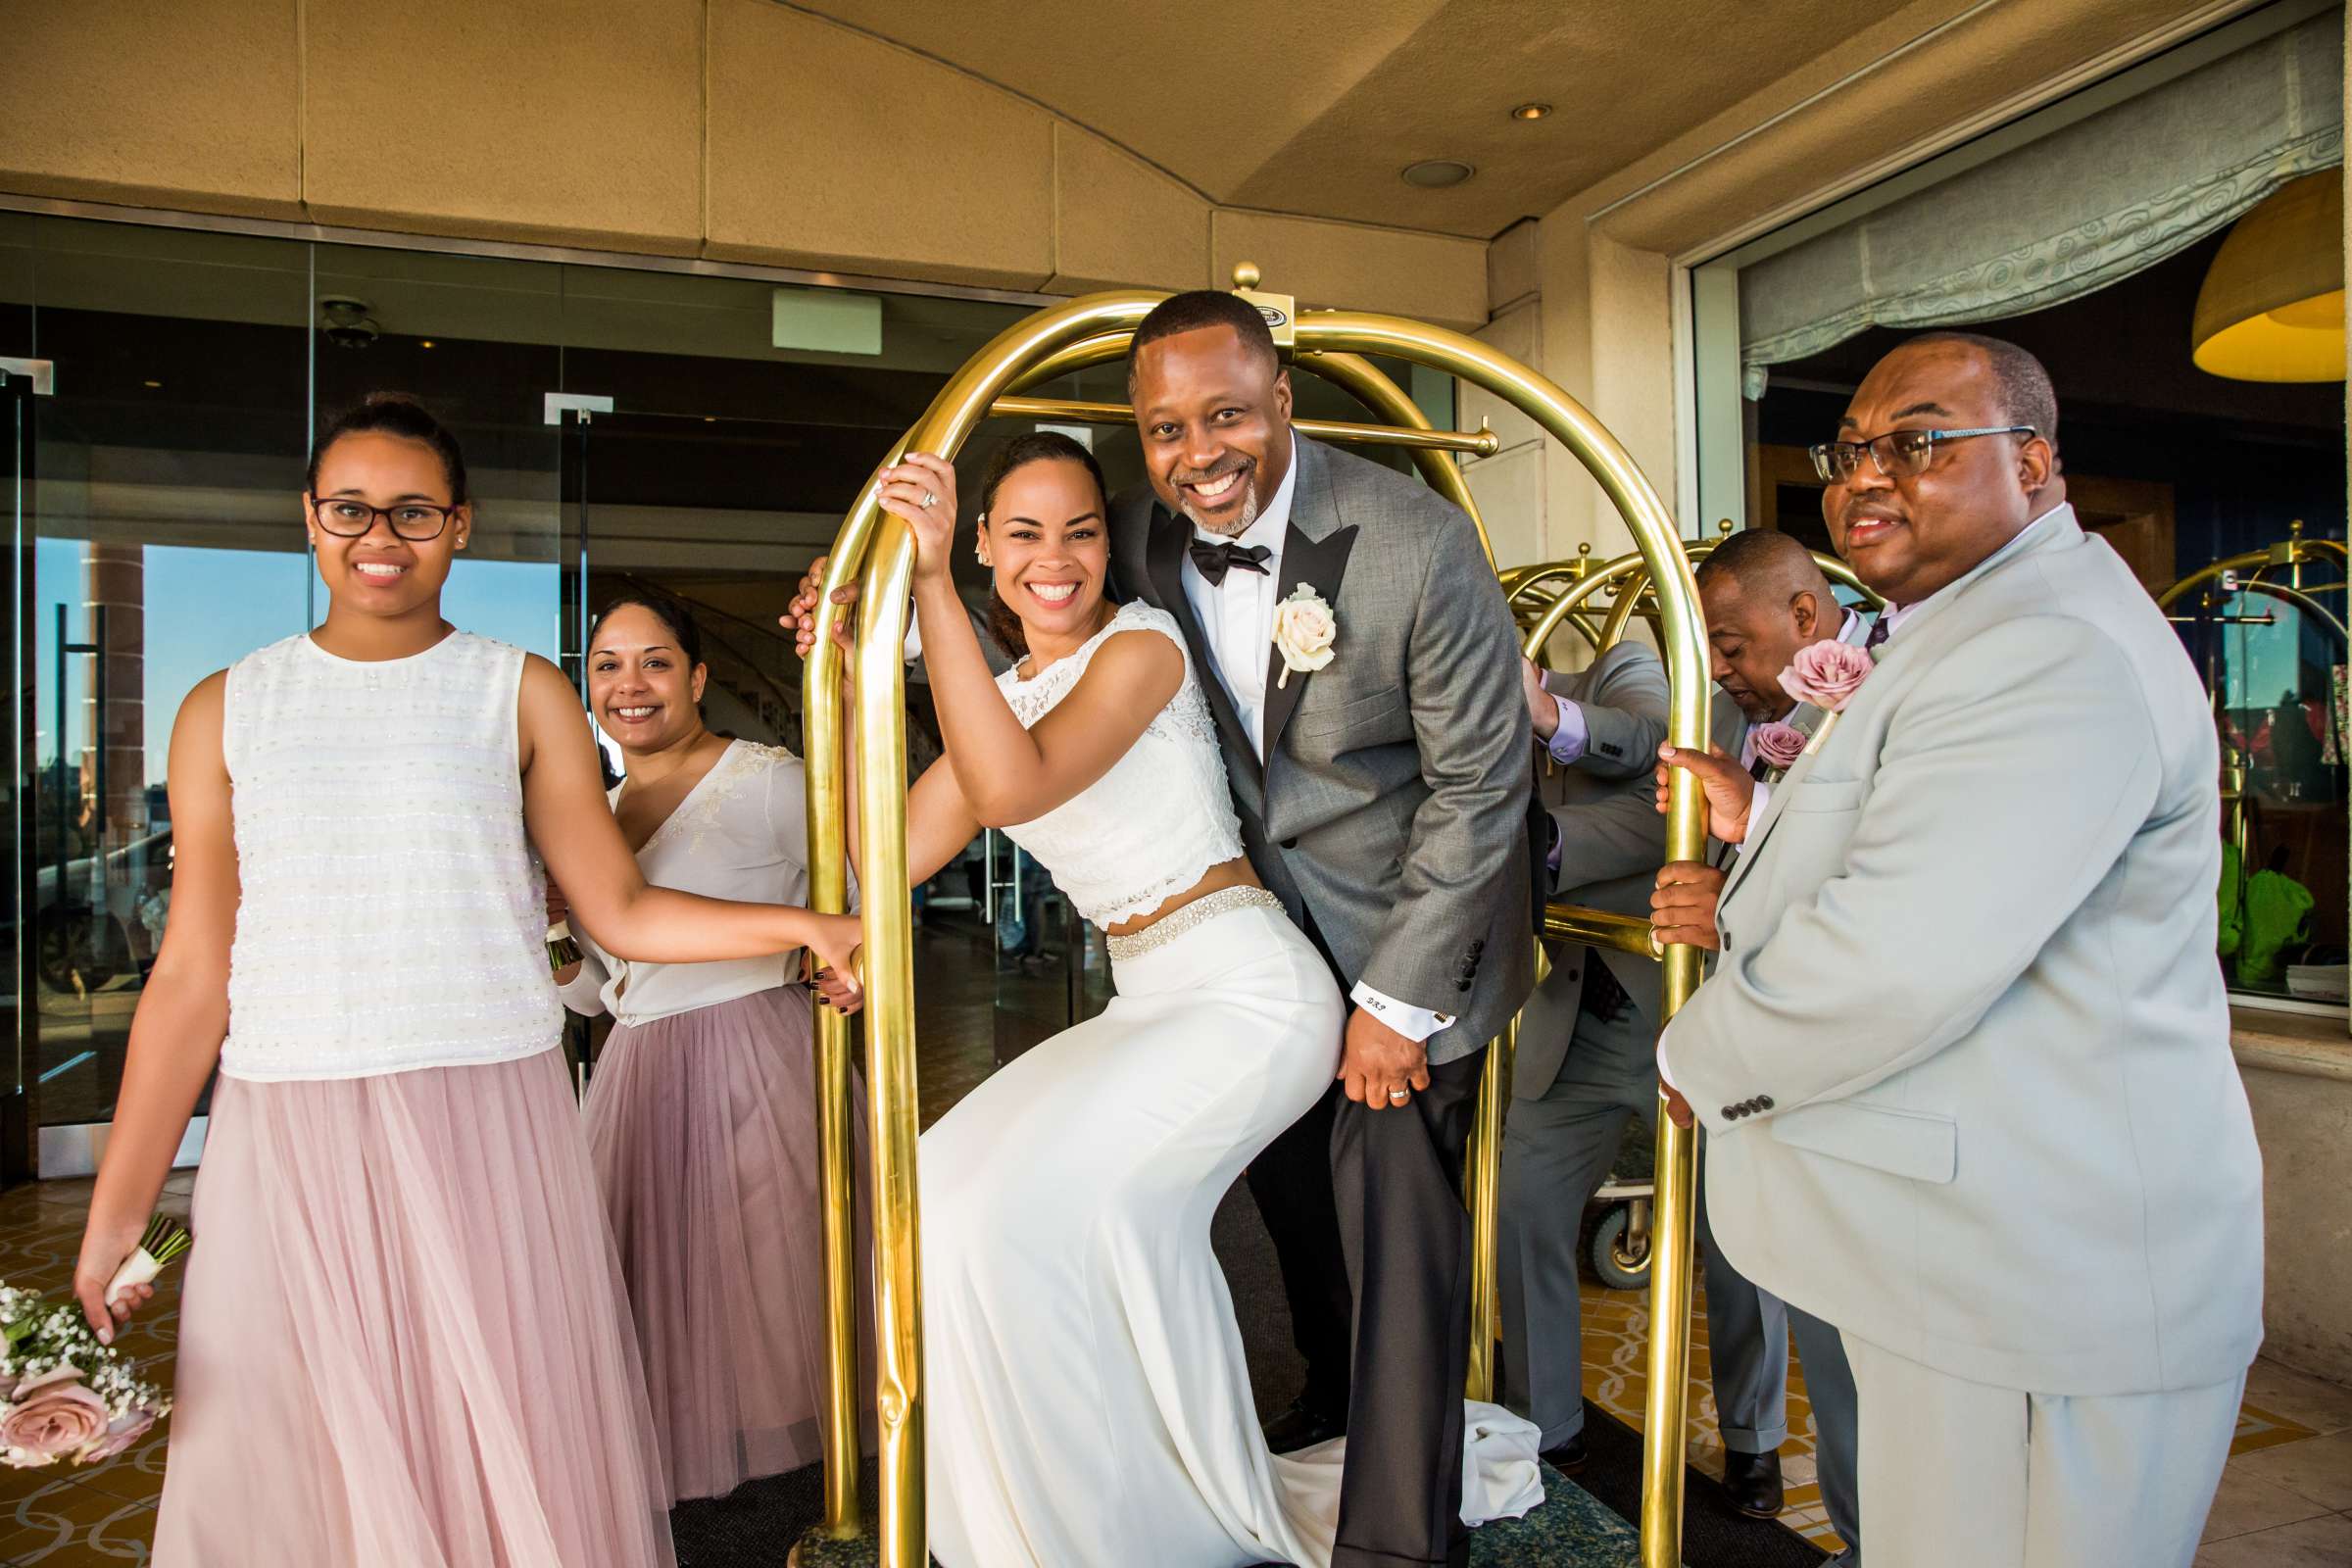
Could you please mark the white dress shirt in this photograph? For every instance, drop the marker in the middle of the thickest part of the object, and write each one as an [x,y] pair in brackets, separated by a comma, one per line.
[1237,623]
[1237,616]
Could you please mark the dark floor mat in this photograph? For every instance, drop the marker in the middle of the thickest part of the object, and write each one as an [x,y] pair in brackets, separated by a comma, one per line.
[759,1522]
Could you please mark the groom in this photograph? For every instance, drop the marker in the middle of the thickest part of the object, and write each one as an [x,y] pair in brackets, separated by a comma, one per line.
[1384,799]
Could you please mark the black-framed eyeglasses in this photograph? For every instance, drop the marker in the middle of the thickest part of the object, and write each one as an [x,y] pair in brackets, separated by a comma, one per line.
[1898,454]
[414,521]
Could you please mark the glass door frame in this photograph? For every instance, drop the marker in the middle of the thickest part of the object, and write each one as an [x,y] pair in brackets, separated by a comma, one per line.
[16,392]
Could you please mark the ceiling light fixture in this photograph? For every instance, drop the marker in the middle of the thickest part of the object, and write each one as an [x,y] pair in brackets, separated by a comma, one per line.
[425,343]
[2272,307]
[154,383]
[1531,111]
[1437,174]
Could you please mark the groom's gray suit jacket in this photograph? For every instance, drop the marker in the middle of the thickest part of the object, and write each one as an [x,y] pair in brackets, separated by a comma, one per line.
[1965,1063]
[1392,807]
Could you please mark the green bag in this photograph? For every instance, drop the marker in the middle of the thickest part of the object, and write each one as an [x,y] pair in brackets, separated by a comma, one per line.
[2278,917]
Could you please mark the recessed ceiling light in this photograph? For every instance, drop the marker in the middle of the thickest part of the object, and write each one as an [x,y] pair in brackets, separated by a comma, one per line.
[154,383]
[1436,173]
[1531,111]
[425,343]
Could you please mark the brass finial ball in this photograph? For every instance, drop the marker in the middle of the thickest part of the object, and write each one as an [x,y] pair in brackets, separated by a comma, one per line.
[1246,274]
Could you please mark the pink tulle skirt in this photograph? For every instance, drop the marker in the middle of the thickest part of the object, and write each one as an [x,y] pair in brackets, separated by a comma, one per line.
[403,1335]
[702,1128]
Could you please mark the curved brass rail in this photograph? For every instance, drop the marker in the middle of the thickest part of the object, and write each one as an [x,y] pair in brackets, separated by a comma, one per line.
[875,551]
[2302,600]
[1349,371]
[1521,585]
[2296,552]
[1636,599]
[1569,604]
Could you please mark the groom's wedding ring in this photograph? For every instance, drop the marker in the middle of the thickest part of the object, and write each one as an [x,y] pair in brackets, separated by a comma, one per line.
[1400,1096]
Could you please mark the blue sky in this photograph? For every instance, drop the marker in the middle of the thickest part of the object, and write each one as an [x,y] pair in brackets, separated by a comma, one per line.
[208,607]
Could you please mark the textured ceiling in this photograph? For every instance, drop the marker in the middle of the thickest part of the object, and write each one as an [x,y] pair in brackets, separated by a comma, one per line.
[1313,106]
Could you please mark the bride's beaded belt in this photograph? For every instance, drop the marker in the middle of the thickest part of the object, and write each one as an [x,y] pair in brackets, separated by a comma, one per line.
[1162,932]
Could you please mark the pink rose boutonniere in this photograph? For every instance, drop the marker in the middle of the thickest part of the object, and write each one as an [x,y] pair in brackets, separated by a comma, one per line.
[1825,674]
[1780,745]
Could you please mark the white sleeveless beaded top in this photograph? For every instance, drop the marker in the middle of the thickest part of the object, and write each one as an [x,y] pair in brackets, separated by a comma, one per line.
[1151,826]
[392,915]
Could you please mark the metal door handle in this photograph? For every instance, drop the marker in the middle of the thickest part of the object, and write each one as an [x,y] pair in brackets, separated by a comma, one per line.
[988,872]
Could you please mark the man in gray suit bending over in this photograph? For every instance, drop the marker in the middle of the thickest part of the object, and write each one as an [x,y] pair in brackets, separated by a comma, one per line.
[1585,1041]
[1764,597]
[1965,1063]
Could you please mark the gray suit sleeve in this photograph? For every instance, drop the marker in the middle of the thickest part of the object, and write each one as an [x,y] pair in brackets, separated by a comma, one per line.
[1623,835]
[2017,772]
[1625,714]
[1470,722]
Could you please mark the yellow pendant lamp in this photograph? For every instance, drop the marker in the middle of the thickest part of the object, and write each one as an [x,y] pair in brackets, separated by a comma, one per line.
[2273,304]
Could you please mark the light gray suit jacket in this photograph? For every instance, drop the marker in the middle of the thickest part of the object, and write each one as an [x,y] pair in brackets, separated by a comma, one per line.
[1965,1063]
[1612,841]
[1390,815]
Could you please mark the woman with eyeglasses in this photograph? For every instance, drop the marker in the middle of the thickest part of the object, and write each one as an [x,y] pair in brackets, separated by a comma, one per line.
[403,1337]
[701,1116]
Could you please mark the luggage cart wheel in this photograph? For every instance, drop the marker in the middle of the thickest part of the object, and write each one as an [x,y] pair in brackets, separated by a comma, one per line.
[1620,1253]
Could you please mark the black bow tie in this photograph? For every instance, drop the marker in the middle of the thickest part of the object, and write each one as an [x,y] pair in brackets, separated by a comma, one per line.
[1216,558]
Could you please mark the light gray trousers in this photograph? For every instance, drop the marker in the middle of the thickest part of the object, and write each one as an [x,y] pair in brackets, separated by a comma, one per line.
[1963,1475]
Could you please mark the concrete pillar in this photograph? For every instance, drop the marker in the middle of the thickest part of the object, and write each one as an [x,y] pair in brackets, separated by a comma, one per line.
[115,576]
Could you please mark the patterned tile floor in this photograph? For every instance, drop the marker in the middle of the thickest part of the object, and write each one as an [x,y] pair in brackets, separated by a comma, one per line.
[2285,1500]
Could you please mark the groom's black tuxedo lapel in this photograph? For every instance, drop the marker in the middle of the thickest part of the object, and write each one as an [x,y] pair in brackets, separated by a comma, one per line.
[1165,561]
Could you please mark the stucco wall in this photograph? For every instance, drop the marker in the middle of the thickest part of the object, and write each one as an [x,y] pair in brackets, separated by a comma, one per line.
[735,129]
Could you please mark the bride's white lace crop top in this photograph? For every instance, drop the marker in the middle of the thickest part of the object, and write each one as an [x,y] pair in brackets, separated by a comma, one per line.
[1151,826]
[391,915]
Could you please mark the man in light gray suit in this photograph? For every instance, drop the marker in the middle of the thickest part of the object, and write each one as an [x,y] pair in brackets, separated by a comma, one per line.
[1965,1063]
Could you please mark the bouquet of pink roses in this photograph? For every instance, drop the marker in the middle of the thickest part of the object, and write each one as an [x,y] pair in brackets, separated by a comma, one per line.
[62,1394]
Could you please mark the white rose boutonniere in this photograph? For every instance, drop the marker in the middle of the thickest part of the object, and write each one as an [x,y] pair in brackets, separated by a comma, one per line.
[1304,630]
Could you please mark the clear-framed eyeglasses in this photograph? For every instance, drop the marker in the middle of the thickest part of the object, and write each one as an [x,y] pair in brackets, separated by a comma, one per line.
[1898,454]
[417,522]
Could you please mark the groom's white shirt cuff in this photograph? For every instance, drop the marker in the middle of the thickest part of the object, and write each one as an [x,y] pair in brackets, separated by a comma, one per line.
[1414,1023]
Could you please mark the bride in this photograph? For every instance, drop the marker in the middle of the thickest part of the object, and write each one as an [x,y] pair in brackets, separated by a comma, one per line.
[1088,1403]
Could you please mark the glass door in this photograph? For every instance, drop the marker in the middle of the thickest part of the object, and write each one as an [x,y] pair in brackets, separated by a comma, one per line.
[127,617]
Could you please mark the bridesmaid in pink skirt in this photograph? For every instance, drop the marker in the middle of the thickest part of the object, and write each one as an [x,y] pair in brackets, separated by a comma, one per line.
[403,1338]
[702,1114]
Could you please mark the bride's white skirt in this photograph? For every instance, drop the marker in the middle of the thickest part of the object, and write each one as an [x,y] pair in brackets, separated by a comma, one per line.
[1087,1403]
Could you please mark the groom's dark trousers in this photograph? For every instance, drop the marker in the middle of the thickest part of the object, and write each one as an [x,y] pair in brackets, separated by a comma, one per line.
[1398,1177]
[1366,1209]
